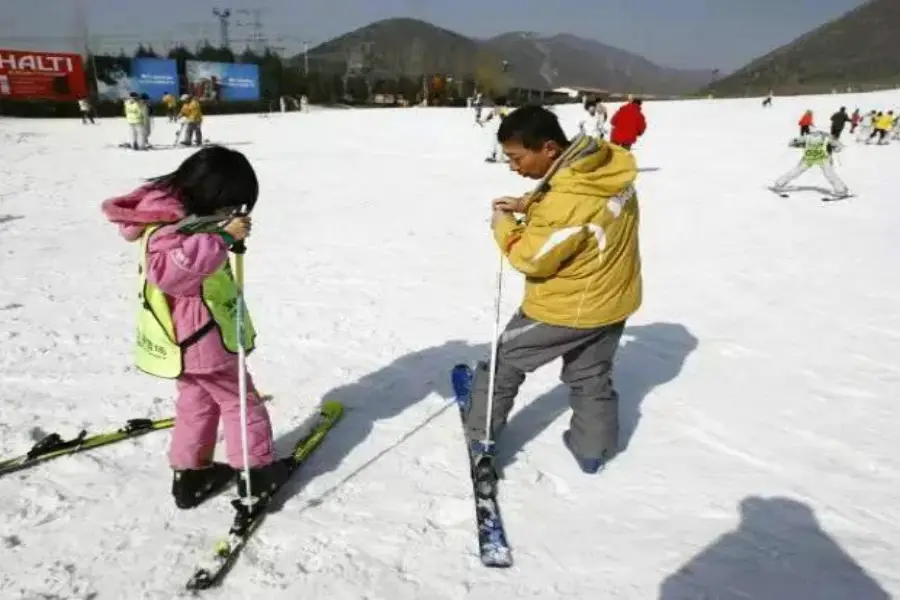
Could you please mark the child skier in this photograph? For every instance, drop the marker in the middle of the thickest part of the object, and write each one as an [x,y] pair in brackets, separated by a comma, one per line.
[186,320]
[817,150]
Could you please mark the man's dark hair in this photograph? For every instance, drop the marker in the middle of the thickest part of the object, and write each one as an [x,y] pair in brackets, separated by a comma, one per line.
[532,126]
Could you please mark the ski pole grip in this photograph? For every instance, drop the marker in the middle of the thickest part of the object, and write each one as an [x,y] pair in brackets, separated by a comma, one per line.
[239,247]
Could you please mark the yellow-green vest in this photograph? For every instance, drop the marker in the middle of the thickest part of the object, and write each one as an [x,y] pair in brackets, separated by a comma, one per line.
[157,352]
[133,112]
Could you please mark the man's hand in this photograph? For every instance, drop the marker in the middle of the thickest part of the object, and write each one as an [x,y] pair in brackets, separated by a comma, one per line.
[509,204]
[499,215]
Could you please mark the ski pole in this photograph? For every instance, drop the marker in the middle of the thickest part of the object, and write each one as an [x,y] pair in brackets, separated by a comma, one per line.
[239,248]
[488,441]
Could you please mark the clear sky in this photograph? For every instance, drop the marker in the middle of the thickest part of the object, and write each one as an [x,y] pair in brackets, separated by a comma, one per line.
[723,34]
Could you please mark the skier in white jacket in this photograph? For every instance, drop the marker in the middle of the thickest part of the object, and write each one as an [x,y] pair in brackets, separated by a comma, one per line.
[594,120]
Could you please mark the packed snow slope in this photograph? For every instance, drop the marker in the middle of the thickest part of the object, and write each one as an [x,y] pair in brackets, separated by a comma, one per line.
[759,381]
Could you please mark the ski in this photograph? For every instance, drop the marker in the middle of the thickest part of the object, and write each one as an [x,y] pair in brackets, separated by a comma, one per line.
[211,570]
[493,546]
[837,198]
[53,445]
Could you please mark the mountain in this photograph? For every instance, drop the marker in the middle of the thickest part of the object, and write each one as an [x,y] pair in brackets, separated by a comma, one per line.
[862,47]
[568,60]
[412,47]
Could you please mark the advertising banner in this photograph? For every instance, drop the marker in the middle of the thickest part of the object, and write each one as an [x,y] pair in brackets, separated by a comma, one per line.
[155,76]
[222,81]
[30,74]
[118,77]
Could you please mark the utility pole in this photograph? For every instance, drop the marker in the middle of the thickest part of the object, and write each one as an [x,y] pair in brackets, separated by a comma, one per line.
[305,58]
[257,35]
[223,16]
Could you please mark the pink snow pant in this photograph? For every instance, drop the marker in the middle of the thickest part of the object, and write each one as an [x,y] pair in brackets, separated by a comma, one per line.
[201,400]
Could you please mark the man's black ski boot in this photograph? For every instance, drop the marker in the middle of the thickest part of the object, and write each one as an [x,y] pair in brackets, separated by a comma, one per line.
[191,487]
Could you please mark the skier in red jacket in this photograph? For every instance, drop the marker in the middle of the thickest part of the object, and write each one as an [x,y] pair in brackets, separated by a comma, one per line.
[628,124]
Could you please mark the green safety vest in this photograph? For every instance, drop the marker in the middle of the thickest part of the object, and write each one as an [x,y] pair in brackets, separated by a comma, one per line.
[816,152]
[133,112]
[156,351]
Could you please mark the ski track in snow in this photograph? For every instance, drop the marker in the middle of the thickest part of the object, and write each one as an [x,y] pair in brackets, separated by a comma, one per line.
[758,382]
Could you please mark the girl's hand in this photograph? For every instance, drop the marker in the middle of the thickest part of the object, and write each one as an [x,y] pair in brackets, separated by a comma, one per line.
[238,227]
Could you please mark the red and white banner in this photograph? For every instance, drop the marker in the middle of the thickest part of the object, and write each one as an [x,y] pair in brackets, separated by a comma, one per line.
[27,74]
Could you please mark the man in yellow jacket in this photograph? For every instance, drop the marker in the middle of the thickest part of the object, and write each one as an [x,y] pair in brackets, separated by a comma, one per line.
[577,247]
[192,115]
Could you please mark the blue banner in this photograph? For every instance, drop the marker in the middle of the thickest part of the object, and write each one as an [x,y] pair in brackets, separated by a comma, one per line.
[155,76]
[118,77]
[222,81]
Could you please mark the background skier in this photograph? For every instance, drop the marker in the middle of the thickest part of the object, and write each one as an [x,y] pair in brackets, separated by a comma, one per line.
[497,114]
[593,123]
[134,116]
[839,120]
[147,108]
[817,152]
[806,122]
[86,110]
[192,114]
[628,124]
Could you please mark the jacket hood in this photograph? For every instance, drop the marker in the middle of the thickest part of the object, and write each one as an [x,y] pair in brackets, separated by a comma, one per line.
[596,168]
[142,207]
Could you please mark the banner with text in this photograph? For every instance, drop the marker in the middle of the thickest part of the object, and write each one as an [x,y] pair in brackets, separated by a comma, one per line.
[118,77]
[27,74]
[222,81]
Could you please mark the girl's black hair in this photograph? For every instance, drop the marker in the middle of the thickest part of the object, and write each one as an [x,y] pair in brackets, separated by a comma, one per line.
[211,180]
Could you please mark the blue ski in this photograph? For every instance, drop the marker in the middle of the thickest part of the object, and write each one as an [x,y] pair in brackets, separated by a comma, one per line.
[492,543]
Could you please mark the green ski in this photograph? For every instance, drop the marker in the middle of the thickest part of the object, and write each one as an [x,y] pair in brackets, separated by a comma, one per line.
[210,571]
[53,446]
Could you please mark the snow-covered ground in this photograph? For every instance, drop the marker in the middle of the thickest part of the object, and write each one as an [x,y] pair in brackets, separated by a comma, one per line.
[759,381]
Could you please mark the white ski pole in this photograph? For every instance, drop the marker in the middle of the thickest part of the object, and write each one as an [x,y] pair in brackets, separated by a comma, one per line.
[239,249]
[488,441]
[178,134]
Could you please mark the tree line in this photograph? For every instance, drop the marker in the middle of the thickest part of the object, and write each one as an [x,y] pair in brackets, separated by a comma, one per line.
[337,80]
[322,84]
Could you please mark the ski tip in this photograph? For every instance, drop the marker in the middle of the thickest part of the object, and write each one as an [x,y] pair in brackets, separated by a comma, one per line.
[461,369]
[497,558]
[332,408]
[461,379]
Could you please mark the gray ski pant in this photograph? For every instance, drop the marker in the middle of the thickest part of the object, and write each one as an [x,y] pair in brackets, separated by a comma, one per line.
[827,169]
[193,132]
[138,135]
[526,345]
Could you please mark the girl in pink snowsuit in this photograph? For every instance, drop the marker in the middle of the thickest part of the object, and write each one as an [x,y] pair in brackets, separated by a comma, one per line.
[214,181]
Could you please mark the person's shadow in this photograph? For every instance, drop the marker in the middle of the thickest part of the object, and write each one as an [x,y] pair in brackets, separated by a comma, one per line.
[778,552]
[648,356]
[379,395]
